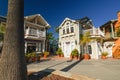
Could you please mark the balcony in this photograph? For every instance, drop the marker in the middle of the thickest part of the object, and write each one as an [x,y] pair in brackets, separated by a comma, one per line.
[35,34]
[70,34]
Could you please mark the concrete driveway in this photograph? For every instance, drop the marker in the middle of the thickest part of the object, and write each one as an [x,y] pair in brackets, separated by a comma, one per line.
[108,69]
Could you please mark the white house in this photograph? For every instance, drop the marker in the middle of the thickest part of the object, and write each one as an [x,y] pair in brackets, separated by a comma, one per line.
[35,29]
[35,33]
[69,36]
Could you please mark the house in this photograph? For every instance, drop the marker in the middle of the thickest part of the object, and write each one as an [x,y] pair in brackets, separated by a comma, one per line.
[110,36]
[35,33]
[35,29]
[69,36]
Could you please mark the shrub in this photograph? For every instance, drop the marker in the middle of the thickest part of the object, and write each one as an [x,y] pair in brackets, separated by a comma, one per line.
[104,53]
[33,54]
[59,51]
[46,53]
[74,52]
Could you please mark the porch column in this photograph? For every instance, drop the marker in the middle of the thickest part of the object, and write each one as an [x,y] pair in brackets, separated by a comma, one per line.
[37,44]
[25,47]
[43,46]
[112,30]
[27,31]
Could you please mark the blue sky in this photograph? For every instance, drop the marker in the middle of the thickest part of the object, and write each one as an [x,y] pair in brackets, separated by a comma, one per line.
[54,11]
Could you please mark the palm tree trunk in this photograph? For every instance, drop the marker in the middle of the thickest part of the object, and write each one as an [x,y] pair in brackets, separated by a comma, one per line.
[12,64]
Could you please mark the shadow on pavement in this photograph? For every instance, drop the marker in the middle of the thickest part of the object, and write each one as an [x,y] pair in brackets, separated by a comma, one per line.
[71,66]
[39,75]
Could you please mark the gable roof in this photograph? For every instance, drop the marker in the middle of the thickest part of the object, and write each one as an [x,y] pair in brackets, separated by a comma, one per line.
[40,19]
[66,19]
[85,22]
[108,23]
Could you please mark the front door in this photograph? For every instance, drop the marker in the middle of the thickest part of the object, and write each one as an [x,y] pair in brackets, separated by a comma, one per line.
[68,49]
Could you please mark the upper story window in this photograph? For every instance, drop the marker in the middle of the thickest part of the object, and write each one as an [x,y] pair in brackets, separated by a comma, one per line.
[63,31]
[33,31]
[72,29]
[67,30]
[67,23]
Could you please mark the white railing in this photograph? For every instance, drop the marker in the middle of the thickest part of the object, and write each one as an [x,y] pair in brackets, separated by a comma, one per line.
[39,34]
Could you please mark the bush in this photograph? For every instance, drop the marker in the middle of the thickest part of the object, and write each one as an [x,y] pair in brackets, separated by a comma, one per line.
[46,53]
[104,53]
[59,51]
[33,54]
[75,52]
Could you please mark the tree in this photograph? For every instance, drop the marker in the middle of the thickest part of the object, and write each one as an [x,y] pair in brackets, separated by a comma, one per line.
[12,63]
[49,39]
[57,29]
[84,40]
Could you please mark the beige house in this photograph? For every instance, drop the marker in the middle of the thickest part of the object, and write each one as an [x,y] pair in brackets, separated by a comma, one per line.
[110,36]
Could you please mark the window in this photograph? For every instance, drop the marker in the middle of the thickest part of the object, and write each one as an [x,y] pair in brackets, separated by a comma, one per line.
[72,29]
[89,49]
[63,31]
[33,31]
[67,23]
[67,30]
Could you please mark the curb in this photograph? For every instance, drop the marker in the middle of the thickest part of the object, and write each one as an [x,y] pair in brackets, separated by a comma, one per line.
[72,76]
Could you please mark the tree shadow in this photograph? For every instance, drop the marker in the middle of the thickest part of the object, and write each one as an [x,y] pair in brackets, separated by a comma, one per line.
[43,73]
[71,66]
[40,74]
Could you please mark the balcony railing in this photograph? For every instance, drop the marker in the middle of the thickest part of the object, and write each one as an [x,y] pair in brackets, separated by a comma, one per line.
[40,34]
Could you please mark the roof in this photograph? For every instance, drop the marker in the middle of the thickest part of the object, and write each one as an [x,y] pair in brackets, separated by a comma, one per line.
[86,22]
[108,23]
[40,19]
[66,19]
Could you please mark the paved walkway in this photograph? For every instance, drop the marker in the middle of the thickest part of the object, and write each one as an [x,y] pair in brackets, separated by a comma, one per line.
[99,69]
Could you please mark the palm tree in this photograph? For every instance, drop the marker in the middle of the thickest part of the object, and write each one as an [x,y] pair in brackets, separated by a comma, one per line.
[12,63]
[84,40]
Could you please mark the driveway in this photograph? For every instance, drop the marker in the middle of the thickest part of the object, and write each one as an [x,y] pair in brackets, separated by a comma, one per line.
[108,69]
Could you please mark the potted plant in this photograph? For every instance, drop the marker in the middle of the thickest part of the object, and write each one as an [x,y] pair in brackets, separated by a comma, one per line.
[85,39]
[71,56]
[75,53]
[46,54]
[33,56]
[62,55]
[86,56]
[28,57]
[104,55]
[59,52]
